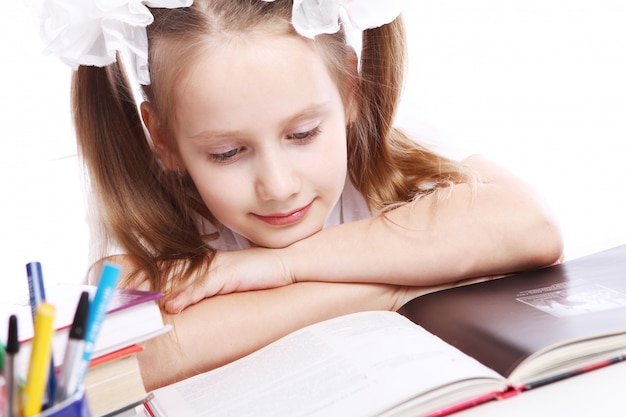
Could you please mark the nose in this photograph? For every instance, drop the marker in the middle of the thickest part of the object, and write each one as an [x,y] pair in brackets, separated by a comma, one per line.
[276,178]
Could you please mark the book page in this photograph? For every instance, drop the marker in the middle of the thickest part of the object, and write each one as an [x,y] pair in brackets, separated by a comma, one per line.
[359,364]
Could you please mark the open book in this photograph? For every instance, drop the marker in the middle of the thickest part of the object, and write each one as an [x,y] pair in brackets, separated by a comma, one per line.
[473,343]
[536,327]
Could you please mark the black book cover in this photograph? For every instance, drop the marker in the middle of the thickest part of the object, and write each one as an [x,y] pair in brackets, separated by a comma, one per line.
[504,321]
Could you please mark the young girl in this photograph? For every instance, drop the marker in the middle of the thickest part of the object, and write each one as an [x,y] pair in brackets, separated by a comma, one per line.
[263,157]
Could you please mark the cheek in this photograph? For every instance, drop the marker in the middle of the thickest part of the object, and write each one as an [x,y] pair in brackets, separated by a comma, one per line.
[219,188]
[333,156]
[221,194]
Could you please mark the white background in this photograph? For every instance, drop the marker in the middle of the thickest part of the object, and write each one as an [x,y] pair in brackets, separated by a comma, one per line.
[536,85]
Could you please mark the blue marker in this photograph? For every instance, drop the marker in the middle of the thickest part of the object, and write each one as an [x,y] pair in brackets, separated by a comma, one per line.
[37,293]
[97,312]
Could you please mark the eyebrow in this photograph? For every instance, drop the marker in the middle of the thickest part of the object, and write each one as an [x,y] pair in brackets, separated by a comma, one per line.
[314,109]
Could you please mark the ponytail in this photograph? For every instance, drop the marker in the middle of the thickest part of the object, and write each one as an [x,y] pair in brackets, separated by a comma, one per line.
[386,166]
[143,206]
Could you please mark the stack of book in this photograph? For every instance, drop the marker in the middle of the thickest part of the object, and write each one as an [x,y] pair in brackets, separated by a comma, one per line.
[113,380]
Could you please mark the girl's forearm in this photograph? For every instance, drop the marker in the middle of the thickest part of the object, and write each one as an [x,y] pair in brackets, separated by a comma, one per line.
[499,227]
[221,329]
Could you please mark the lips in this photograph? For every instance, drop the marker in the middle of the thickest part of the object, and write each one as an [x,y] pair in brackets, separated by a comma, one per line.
[284,219]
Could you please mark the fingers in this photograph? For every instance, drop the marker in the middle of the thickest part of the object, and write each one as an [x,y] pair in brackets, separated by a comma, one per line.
[199,286]
[234,271]
[185,297]
[176,303]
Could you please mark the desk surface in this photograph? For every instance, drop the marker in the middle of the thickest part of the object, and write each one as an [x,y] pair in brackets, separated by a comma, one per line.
[598,393]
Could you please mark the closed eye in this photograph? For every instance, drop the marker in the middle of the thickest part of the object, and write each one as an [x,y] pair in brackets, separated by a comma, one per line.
[226,156]
[305,136]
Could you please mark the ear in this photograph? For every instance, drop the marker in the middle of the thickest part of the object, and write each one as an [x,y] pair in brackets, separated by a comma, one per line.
[162,144]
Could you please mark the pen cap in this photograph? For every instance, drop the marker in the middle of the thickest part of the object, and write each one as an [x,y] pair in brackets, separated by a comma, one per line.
[37,376]
[98,307]
[13,343]
[79,324]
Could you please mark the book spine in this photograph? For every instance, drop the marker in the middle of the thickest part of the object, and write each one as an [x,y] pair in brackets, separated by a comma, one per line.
[134,348]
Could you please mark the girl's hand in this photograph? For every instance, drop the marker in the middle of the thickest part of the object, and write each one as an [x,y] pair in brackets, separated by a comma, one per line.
[233,271]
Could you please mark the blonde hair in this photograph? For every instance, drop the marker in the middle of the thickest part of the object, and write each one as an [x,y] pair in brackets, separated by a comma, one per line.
[152,212]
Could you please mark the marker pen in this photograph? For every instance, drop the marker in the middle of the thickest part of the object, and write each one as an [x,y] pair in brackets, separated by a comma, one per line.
[70,370]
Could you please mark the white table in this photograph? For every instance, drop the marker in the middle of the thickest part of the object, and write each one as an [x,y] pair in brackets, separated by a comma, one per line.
[600,393]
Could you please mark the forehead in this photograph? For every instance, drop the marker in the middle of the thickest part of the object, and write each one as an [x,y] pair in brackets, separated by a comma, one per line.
[260,77]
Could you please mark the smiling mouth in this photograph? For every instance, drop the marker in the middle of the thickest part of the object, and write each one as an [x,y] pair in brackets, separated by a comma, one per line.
[280,219]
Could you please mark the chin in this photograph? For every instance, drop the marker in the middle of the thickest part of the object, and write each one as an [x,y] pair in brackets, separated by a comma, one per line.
[278,240]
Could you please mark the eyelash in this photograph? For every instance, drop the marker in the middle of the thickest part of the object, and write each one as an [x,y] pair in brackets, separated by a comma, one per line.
[226,156]
[303,137]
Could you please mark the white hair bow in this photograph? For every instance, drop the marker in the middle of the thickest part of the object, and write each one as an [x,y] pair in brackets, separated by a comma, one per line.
[89,32]
[314,17]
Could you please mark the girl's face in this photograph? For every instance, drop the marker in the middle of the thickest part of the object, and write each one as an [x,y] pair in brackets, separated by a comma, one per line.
[261,129]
